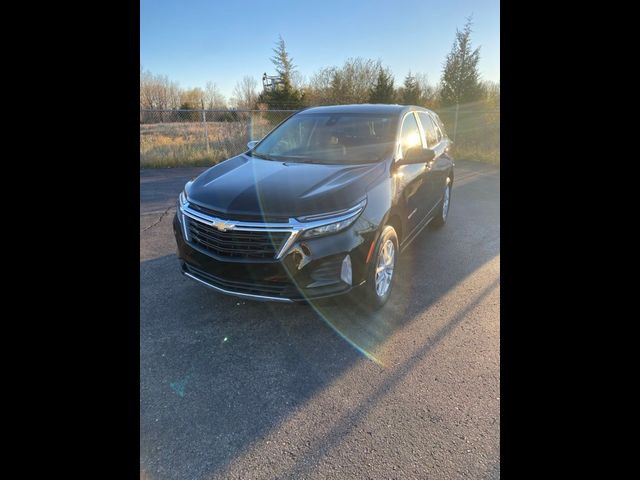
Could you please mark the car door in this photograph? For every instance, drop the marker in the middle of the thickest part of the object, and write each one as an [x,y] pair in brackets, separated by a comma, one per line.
[443,162]
[412,178]
[436,174]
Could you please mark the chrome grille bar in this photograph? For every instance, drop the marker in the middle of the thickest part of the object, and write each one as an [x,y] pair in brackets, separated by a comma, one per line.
[293,226]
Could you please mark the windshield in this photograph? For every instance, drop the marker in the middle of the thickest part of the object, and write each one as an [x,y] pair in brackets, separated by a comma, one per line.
[331,138]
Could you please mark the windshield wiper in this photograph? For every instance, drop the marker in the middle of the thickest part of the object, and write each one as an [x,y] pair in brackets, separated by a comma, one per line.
[301,159]
[262,156]
[306,160]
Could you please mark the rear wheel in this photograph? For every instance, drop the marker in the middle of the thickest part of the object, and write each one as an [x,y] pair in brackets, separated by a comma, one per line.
[381,269]
[441,217]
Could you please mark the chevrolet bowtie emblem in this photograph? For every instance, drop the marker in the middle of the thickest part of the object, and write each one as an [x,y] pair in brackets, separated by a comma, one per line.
[222,225]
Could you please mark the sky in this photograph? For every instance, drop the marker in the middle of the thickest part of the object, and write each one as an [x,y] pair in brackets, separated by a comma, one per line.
[196,41]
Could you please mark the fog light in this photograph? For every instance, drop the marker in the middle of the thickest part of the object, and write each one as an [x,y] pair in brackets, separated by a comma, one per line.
[345,271]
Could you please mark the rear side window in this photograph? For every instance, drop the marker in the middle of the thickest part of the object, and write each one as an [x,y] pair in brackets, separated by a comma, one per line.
[429,129]
[440,124]
[439,134]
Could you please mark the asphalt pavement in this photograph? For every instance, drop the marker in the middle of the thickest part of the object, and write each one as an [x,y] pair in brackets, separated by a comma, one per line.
[233,388]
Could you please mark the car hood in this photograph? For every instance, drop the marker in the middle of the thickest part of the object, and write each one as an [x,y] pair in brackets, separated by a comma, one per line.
[246,185]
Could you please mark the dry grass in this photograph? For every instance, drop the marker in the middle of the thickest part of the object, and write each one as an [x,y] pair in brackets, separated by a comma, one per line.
[478,134]
[181,144]
[185,143]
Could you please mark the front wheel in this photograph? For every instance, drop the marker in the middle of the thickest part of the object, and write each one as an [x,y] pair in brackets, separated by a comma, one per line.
[441,217]
[380,272]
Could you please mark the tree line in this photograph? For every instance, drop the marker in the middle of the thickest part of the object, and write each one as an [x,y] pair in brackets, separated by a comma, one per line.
[357,80]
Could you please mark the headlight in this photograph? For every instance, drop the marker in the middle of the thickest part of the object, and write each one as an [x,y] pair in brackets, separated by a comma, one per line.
[328,223]
[182,202]
[326,229]
[182,199]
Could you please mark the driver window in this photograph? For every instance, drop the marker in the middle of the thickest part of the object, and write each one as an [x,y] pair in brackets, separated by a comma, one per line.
[410,133]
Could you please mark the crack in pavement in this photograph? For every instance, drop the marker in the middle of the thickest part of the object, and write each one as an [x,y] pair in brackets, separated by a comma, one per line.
[162,215]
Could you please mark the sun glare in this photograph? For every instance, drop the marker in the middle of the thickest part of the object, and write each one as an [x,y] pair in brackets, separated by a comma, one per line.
[412,140]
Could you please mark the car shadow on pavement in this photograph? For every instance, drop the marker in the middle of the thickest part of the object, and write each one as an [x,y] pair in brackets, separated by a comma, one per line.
[218,373]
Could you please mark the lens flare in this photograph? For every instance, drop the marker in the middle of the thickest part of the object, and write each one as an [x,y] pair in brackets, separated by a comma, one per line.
[346,315]
[412,140]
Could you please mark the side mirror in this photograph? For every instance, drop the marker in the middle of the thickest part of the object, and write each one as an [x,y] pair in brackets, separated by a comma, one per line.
[252,144]
[416,155]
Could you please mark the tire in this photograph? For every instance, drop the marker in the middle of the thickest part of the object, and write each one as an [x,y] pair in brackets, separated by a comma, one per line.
[375,295]
[443,210]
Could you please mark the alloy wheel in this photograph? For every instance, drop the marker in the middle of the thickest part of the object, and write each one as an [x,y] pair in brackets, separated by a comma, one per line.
[384,268]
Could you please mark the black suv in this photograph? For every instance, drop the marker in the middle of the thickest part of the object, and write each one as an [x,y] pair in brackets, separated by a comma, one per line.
[319,207]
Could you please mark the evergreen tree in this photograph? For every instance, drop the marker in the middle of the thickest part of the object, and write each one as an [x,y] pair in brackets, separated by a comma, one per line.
[460,81]
[411,92]
[382,91]
[284,94]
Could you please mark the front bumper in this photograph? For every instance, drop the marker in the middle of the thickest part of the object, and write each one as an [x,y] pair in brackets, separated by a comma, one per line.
[309,269]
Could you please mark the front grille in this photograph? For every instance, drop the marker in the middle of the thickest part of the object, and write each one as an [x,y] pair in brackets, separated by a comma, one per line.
[283,289]
[238,217]
[237,244]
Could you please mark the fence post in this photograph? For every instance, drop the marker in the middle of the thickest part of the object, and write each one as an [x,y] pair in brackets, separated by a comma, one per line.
[252,122]
[204,120]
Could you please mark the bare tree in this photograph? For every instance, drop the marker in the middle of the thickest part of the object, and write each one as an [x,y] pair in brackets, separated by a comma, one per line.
[213,99]
[245,93]
[318,91]
[428,93]
[298,80]
[142,105]
[353,82]
[158,92]
[491,92]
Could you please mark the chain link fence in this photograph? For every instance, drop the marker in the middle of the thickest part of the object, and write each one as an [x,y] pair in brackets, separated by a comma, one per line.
[170,138]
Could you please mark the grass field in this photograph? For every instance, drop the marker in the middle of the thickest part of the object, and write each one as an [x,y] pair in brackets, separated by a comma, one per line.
[183,143]
[477,136]
[176,142]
